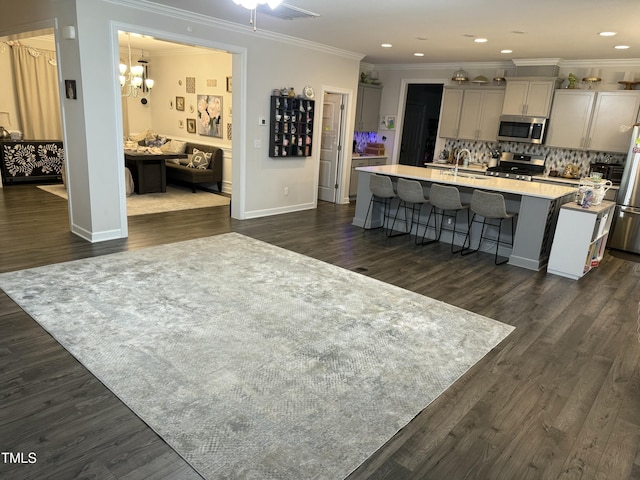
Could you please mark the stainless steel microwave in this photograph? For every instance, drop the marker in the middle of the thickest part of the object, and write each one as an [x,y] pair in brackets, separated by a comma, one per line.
[514,128]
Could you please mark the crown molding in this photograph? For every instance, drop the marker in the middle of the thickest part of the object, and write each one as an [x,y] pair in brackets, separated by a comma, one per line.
[177,13]
[611,62]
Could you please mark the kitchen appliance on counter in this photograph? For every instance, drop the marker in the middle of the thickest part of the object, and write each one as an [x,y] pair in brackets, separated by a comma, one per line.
[517,166]
[514,128]
[625,234]
[609,171]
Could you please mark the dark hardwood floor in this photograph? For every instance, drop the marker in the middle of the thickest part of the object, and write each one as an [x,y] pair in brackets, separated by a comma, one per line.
[558,399]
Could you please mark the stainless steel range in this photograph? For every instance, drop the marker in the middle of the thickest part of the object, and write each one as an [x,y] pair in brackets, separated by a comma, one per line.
[517,166]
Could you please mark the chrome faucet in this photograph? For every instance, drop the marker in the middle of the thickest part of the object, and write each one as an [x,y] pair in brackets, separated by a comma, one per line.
[460,152]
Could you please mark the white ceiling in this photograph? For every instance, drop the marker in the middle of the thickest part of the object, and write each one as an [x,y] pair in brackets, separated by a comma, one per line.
[444,29]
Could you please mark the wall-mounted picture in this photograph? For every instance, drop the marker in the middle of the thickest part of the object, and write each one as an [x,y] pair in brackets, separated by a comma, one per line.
[229,84]
[180,103]
[191,84]
[210,115]
[70,89]
[191,125]
[388,122]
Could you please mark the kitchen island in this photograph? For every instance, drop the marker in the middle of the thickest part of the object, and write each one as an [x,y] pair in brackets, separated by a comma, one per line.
[537,205]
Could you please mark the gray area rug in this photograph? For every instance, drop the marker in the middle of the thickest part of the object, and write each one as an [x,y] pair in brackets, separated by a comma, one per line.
[175,198]
[252,361]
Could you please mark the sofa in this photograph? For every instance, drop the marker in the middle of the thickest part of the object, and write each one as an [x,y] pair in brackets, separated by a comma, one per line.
[181,171]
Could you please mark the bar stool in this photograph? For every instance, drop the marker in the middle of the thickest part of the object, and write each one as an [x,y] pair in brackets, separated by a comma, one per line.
[490,206]
[411,194]
[445,201]
[382,192]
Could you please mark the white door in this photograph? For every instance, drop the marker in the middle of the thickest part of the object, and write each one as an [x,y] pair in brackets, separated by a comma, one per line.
[330,148]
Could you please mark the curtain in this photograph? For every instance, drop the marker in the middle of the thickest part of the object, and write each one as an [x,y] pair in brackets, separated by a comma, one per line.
[36,80]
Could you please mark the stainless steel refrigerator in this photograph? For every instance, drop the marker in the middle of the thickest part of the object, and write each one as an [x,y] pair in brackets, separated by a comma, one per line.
[625,233]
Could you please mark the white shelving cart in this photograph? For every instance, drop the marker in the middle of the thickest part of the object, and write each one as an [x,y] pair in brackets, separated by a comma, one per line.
[580,239]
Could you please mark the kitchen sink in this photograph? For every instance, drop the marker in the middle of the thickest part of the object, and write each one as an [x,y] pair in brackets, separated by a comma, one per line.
[465,175]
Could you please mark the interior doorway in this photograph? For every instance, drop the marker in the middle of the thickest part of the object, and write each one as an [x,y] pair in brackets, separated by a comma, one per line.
[420,124]
[331,148]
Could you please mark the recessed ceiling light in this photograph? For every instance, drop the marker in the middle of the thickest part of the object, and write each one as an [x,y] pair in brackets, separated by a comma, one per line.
[621,47]
[480,40]
[607,34]
[422,38]
[506,51]
[418,54]
[386,45]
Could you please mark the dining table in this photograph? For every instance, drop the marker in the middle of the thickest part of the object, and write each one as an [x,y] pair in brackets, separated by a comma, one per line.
[148,169]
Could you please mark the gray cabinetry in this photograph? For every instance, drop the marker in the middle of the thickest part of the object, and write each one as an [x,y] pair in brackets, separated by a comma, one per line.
[471,113]
[480,114]
[362,162]
[368,107]
[613,116]
[570,118]
[529,96]
[589,120]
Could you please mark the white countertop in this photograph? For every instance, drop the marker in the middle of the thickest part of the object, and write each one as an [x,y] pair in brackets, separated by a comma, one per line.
[475,180]
[362,155]
[537,178]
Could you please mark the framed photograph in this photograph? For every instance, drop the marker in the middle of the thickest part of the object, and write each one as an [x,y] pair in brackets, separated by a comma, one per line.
[191,84]
[210,115]
[191,125]
[388,122]
[180,104]
[229,84]
[70,89]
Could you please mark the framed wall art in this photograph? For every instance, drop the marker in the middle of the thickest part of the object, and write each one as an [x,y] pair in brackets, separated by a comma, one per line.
[191,125]
[191,84]
[229,84]
[210,115]
[180,104]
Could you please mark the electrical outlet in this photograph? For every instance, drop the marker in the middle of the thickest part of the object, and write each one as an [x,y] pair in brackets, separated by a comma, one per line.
[286,191]
[262,121]
[449,221]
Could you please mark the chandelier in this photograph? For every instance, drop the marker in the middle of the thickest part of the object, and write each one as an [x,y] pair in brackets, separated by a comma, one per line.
[253,5]
[132,80]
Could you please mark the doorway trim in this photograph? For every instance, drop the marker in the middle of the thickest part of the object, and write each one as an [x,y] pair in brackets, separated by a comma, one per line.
[344,170]
[402,102]
[239,100]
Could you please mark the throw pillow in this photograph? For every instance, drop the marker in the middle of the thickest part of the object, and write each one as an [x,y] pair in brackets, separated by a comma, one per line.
[174,146]
[200,159]
[156,141]
[175,161]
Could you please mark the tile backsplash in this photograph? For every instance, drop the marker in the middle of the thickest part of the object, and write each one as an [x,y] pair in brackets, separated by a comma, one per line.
[556,158]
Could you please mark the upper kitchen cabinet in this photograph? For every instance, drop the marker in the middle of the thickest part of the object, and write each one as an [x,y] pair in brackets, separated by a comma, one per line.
[450,112]
[590,120]
[471,113]
[368,107]
[529,96]
[480,114]
[570,118]
[613,116]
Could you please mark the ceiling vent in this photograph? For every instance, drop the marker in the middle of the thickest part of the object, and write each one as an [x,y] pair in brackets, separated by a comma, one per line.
[286,12]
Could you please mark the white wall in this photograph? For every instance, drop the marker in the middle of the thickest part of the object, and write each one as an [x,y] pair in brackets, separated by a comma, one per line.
[93,124]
